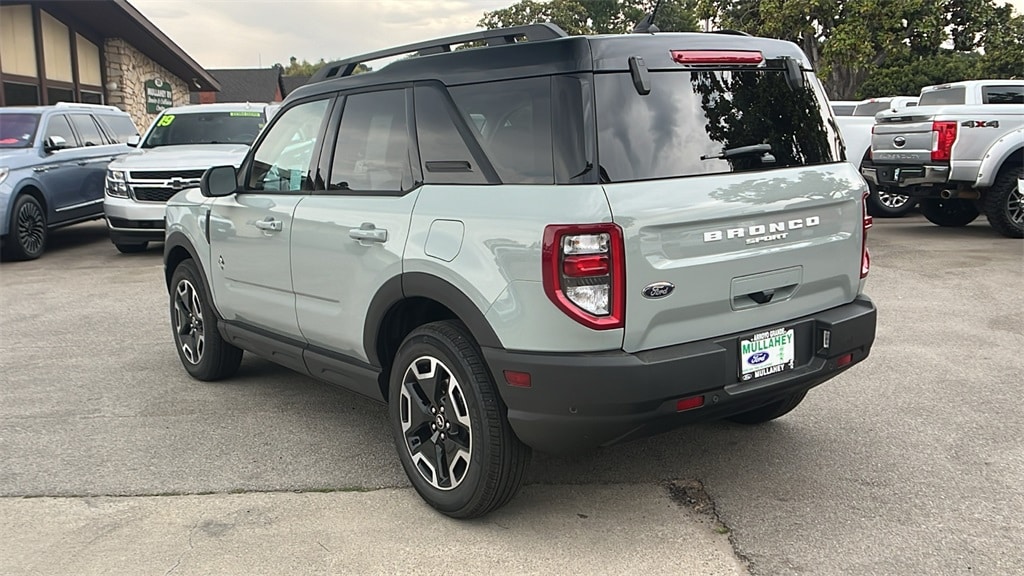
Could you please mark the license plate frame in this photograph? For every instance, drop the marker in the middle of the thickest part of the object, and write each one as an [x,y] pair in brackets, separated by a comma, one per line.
[766,354]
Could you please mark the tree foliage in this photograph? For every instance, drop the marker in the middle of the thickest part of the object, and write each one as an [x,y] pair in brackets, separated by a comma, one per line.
[595,16]
[864,48]
[307,68]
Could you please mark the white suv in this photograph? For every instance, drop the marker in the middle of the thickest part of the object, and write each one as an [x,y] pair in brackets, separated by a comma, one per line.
[178,147]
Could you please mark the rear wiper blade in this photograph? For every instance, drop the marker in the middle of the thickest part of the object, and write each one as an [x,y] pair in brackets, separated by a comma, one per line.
[739,151]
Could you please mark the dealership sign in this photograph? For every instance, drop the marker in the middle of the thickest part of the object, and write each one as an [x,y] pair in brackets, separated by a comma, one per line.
[158,96]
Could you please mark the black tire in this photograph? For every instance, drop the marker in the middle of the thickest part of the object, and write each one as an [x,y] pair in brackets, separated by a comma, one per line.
[884,204]
[771,411]
[131,248]
[953,212]
[203,352]
[1004,203]
[27,232]
[450,425]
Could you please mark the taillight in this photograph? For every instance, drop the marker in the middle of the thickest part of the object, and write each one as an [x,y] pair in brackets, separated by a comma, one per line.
[943,136]
[584,272]
[866,223]
[717,56]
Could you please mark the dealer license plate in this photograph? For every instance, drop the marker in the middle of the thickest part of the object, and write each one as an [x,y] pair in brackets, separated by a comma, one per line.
[766,354]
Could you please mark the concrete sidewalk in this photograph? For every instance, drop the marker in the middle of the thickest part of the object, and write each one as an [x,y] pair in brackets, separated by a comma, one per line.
[610,529]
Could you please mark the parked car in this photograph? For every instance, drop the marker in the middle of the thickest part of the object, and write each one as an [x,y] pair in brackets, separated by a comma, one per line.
[843,107]
[555,244]
[52,163]
[856,131]
[178,147]
[961,152]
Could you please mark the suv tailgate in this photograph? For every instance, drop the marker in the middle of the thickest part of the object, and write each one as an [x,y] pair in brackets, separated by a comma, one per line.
[743,250]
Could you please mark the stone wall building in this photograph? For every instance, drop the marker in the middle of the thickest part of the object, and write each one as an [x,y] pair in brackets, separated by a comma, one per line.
[96,52]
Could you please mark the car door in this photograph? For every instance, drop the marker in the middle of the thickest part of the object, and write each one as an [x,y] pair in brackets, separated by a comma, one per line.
[348,239]
[92,158]
[59,173]
[250,230]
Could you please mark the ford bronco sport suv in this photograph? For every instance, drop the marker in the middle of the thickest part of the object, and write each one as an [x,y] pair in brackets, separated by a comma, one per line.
[179,146]
[555,244]
[52,162]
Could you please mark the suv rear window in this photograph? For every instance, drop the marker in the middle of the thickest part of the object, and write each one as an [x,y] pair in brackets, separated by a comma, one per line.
[943,97]
[1003,95]
[690,118]
[870,108]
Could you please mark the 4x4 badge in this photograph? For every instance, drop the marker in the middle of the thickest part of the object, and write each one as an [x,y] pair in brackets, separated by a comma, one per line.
[658,290]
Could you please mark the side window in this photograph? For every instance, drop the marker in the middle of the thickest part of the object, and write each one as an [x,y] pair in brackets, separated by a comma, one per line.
[372,151]
[446,158]
[58,126]
[1003,95]
[281,163]
[87,130]
[513,123]
[120,128]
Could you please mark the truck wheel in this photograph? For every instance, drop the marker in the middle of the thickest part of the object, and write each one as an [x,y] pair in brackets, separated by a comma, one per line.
[450,425]
[884,204]
[953,212]
[769,411]
[131,248]
[1004,203]
[203,352]
[27,237]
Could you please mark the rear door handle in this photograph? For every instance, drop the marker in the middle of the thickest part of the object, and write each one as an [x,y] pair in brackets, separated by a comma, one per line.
[82,162]
[270,225]
[368,233]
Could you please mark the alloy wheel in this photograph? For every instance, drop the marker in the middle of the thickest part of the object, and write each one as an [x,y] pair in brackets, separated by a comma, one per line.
[188,321]
[890,200]
[31,227]
[435,423]
[1015,206]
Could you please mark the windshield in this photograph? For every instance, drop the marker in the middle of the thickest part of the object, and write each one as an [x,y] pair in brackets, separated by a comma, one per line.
[943,97]
[205,128]
[18,130]
[710,122]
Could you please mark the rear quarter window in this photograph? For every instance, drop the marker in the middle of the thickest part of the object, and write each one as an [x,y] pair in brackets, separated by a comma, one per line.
[1003,95]
[120,128]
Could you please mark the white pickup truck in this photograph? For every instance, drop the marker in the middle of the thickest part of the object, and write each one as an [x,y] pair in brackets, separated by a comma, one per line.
[960,151]
[856,130]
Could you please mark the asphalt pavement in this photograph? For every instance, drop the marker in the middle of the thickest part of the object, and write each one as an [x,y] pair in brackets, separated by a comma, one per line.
[115,462]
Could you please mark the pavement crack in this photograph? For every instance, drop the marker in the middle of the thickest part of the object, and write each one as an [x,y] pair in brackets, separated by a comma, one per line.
[318,542]
[692,495]
[181,556]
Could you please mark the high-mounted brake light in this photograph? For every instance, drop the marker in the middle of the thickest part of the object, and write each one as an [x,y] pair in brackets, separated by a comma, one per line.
[717,56]
[866,223]
[584,273]
[943,136]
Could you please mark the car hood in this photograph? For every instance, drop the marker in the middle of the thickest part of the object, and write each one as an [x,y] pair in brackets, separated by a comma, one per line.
[183,157]
[15,158]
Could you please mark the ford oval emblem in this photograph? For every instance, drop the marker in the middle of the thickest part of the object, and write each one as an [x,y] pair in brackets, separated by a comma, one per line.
[757,358]
[899,141]
[658,290]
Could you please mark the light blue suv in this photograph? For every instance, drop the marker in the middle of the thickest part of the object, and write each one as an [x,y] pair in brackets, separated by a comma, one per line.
[53,160]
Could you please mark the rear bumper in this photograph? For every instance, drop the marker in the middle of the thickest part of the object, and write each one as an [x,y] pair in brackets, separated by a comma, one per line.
[586,400]
[897,176]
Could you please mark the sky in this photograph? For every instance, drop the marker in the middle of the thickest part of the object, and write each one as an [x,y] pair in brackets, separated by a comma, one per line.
[253,33]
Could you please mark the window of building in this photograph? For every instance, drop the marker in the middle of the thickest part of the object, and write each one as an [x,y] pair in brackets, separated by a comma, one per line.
[18,41]
[88,62]
[16,94]
[372,150]
[87,130]
[54,95]
[91,97]
[56,49]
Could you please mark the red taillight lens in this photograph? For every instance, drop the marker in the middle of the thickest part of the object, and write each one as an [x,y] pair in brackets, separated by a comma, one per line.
[844,360]
[943,136]
[580,266]
[584,273]
[867,223]
[518,379]
[717,56]
[689,403]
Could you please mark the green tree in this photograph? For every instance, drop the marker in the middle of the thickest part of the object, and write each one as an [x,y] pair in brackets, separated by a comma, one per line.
[595,16]
[307,68]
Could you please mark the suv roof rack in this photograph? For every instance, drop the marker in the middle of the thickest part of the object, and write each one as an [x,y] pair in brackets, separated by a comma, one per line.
[494,37]
[87,106]
[730,32]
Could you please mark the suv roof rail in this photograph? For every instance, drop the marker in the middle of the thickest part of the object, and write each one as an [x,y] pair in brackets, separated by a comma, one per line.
[730,32]
[87,106]
[494,37]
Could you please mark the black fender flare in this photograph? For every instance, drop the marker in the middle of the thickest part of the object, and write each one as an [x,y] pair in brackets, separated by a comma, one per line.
[423,285]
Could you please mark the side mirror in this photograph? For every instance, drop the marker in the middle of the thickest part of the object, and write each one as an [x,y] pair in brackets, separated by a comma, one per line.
[218,181]
[54,143]
[133,141]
